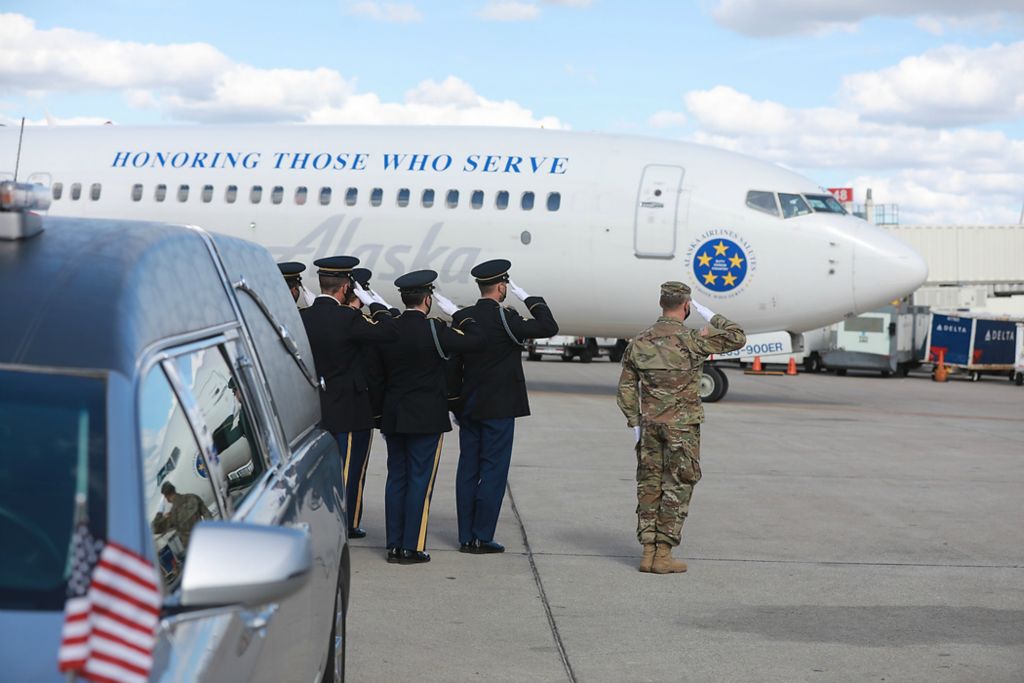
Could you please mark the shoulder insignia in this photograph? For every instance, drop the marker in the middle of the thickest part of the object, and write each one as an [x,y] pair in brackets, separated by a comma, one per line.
[369,319]
[458,331]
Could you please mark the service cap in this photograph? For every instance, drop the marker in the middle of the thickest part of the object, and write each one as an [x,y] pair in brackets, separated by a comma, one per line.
[338,266]
[417,281]
[673,288]
[362,276]
[491,272]
[291,270]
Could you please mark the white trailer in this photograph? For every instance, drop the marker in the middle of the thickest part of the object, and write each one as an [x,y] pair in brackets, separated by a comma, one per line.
[888,340]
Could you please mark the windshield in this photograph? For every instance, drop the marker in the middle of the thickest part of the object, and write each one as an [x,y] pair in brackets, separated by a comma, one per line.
[824,203]
[52,430]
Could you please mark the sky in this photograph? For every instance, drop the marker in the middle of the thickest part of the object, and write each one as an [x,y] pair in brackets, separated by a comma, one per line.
[920,100]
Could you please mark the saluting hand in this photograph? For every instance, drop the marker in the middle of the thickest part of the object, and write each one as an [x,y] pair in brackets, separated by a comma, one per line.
[636,435]
[445,304]
[378,298]
[704,311]
[518,291]
[363,295]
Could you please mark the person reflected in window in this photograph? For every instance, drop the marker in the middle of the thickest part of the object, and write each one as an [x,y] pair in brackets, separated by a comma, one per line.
[186,511]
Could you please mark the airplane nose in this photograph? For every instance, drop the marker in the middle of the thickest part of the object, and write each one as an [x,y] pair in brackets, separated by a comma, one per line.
[885,269]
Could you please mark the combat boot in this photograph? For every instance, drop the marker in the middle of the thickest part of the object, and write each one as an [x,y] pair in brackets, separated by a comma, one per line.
[664,563]
[648,557]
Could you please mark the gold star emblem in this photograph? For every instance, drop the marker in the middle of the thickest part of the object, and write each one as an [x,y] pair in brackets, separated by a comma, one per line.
[729,280]
[736,261]
[720,249]
[709,278]
[704,259]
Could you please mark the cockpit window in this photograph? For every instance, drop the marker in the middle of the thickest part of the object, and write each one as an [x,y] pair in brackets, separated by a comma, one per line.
[793,205]
[824,203]
[763,201]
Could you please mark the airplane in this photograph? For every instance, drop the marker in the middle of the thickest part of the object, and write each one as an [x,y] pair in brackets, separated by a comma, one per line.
[593,222]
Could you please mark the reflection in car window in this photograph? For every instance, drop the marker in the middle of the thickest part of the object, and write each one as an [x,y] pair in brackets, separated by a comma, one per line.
[824,203]
[763,201]
[793,205]
[52,428]
[219,397]
[177,490]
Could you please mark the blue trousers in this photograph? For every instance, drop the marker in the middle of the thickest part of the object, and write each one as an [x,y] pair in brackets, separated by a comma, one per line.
[355,454]
[412,469]
[485,453]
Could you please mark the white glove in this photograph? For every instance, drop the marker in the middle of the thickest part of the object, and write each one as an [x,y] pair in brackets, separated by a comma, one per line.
[518,291]
[363,295]
[454,419]
[636,434]
[378,298]
[704,311]
[444,303]
[306,297]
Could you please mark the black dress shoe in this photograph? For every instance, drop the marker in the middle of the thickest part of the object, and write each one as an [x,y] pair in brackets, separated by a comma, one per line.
[358,532]
[470,547]
[394,555]
[414,557]
[486,547]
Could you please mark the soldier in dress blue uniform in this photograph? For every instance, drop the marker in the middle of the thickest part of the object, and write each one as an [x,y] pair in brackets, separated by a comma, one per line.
[493,395]
[338,334]
[416,409]
[292,272]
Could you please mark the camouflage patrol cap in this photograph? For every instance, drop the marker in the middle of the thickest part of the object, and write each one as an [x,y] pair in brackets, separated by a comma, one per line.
[673,288]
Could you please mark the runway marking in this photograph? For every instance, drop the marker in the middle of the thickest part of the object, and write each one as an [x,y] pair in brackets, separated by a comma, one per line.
[570,674]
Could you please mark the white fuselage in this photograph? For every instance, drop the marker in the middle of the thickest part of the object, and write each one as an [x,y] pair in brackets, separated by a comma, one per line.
[625,215]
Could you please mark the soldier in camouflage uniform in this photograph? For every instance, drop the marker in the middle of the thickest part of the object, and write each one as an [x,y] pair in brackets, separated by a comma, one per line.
[658,394]
[186,511]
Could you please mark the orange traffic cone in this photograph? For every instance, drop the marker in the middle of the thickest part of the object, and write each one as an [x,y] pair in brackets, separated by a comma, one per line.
[791,368]
[941,374]
[757,364]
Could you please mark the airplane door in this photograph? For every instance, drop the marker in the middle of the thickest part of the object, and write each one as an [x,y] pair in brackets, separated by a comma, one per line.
[657,208]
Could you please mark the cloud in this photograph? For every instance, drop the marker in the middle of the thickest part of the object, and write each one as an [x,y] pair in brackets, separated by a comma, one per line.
[196,82]
[784,17]
[936,175]
[509,10]
[667,119]
[569,3]
[951,85]
[397,13]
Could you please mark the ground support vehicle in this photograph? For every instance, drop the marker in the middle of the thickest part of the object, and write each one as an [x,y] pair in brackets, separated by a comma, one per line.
[136,356]
[584,348]
[888,340]
[973,344]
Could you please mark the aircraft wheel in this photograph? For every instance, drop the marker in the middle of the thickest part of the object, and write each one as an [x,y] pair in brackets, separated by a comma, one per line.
[615,355]
[713,384]
[812,363]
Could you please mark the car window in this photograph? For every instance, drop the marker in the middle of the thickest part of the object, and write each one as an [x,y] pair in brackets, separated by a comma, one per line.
[53,447]
[209,379]
[177,489]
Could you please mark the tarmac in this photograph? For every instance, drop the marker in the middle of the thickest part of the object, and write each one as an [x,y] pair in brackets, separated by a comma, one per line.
[851,528]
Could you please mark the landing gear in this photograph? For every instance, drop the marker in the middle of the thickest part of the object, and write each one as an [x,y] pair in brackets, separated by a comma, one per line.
[615,355]
[812,363]
[713,384]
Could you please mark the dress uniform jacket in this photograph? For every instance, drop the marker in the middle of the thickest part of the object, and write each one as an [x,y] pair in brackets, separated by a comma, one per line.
[335,335]
[415,396]
[492,379]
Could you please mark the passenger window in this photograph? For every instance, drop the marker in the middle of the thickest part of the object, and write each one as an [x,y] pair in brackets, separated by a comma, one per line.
[183,193]
[231,194]
[137,192]
[526,204]
[452,199]
[277,195]
[94,192]
[256,194]
[351,195]
[501,200]
[177,490]
[216,391]
[376,195]
[325,196]
[762,201]
[58,190]
[76,191]
[476,200]
[160,193]
[554,201]
[300,195]
[428,199]
[207,195]
[793,205]
[403,197]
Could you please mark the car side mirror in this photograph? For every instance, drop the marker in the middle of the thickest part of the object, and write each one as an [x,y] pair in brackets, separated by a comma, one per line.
[231,563]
